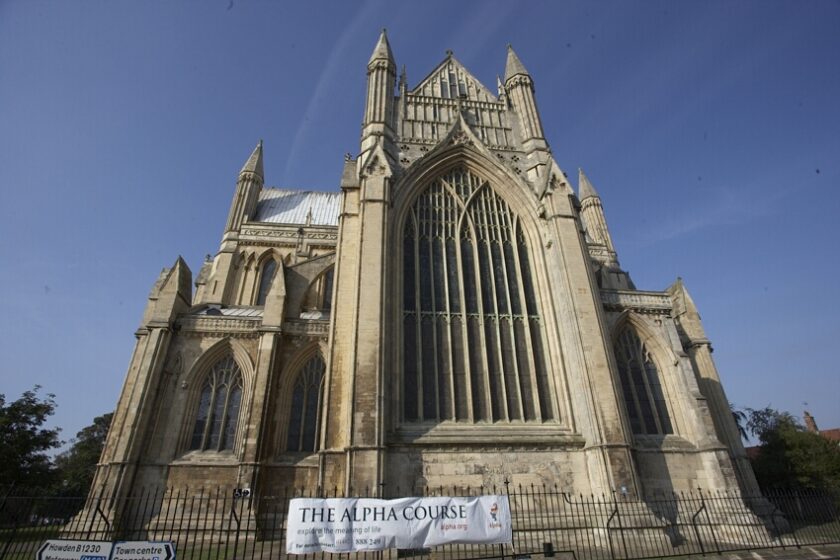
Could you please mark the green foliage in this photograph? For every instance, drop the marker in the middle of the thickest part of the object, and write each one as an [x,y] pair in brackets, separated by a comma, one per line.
[76,466]
[740,417]
[24,441]
[790,456]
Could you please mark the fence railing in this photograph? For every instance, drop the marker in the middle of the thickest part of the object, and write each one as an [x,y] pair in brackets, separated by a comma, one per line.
[218,524]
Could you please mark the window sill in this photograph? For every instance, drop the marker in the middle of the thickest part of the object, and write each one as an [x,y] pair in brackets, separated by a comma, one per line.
[205,457]
[463,434]
[668,442]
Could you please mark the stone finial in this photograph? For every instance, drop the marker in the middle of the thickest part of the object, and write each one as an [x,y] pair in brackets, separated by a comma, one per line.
[255,162]
[513,66]
[382,50]
[585,188]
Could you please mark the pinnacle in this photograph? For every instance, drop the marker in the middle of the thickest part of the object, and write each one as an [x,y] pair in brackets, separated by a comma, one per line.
[585,188]
[255,162]
[513,66]
[382,49]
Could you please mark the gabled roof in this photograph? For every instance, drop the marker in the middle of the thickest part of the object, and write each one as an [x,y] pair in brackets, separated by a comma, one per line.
[437,82]
[283,206]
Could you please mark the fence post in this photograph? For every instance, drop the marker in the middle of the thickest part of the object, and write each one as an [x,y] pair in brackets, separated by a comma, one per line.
[694,524]
[510,506]
[709,520]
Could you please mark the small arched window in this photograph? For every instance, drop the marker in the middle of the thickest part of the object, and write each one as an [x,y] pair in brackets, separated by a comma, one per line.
[306,404]
[641,386]
[266,277]
[218,408]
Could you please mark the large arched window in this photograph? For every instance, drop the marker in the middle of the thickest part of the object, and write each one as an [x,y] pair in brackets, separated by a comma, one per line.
[269,268]
[306,405]
[472,338]
[641,385]
[218,408]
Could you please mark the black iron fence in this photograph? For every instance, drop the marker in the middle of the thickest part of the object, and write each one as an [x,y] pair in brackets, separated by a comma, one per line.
[221,524]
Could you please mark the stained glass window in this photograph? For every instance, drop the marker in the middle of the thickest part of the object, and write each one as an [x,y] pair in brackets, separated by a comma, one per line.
[218,408]
[266,277]
[472,337]
[641,386]
[306,405]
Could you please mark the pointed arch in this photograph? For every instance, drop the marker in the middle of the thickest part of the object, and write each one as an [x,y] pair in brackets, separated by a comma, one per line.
[303,393]
[642,362]
[268,267]
[219,386]
[472,336]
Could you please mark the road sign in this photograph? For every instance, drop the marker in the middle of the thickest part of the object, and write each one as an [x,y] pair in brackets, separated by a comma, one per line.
[59,549]
[143,550]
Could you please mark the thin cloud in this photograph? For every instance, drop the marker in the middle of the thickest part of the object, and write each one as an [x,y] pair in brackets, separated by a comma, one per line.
[727,207]
[325,81]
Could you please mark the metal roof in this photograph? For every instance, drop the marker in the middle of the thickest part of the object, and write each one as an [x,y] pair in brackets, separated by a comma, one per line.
[283,206]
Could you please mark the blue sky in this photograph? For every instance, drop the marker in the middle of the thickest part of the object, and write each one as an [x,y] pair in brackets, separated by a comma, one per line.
[711,130]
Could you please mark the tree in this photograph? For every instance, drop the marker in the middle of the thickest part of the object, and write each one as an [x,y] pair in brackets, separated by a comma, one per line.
[740,418]
[76,466]
[24,441]
[790,456]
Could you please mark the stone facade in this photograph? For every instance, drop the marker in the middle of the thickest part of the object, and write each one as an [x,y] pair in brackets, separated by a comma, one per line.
[455,316]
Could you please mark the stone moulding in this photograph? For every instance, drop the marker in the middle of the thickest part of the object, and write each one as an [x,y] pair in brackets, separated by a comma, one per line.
[221,326]
[288,232]
[643,302]
[536,437]
[298,327]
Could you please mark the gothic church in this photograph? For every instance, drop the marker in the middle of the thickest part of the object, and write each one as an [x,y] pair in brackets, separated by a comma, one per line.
[456,315]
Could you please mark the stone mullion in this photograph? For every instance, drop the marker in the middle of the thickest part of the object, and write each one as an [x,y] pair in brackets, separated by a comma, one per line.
[434,224]
[628,361]
[526,320]
[223,420]
[320,395]
[501,215]
[482,197]
[654,409]
[205,437]
[418,319]
[448,225]
[465,338]
[302,418]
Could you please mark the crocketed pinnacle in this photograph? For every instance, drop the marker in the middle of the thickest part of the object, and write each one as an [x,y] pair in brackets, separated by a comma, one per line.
[382,49]
[255,162]
[513,66]
[585,188]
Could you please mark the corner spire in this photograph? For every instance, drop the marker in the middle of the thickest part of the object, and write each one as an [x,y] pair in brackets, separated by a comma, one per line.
[255,162]
[585,188]
[382,50]
[513,66]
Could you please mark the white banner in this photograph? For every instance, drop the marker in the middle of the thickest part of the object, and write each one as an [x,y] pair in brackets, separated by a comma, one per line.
[352,524]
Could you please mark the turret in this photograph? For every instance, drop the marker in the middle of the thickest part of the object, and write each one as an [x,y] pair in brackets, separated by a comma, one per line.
[592,214]
[248,186]
[381,81]
[520,90]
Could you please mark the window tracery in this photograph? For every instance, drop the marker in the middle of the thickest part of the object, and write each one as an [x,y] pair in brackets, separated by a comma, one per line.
[218,408]
[304,418]
[472,336]
[266,278]
[641,386]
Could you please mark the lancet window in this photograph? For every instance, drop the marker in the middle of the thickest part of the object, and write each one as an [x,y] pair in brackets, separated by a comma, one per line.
[266,278]
[641,386]
[218,408]
[472,337]
[304,420]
